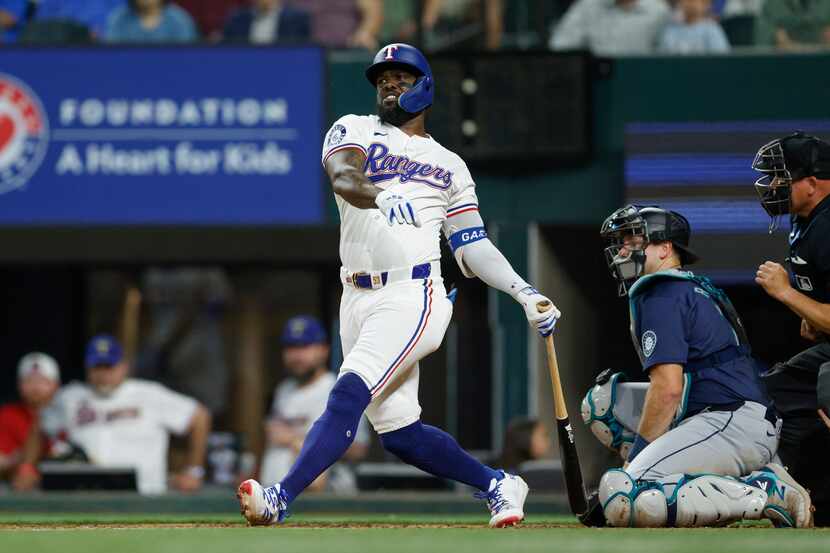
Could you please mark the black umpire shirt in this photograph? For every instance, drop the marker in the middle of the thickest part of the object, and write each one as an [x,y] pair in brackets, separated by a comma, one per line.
[804,438]
[809,259]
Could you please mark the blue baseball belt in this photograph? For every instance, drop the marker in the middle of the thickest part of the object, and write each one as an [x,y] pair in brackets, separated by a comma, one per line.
[372,280]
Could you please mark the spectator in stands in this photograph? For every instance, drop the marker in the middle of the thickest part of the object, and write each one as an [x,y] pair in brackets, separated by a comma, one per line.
[732,8]
[794,24]
[211,15]
[738,20]
[93,15]
[268,22]
[13,15]
[400,21]
[43,19]
[119,421]
[344,23]
[525,440]
[695,33]
[299,400]
[611,27]
[460,20]
[148,21]
[38,378]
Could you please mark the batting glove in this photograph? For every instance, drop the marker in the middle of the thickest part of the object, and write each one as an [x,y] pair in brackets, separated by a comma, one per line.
[397,209]
[544,321]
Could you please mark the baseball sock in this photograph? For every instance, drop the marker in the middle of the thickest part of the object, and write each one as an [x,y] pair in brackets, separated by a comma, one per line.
[436,452]
[330,436]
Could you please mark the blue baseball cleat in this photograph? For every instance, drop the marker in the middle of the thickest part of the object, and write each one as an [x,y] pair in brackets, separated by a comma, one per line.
[262,506]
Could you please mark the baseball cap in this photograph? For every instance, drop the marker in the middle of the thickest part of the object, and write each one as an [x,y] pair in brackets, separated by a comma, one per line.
[38,363]
[103,349]
[806,156]
[303,330]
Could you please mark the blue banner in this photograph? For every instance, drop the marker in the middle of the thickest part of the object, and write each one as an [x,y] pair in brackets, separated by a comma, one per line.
[161,136]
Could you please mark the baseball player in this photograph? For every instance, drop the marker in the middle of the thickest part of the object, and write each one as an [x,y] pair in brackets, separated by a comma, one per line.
[707,435]
[123,422]
[396,190]
[299,400]
[796,181]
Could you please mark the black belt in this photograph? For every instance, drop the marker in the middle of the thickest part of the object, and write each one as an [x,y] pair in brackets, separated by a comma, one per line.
[770,415]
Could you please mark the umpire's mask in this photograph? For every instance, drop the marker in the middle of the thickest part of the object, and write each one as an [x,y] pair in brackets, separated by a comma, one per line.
[784,161]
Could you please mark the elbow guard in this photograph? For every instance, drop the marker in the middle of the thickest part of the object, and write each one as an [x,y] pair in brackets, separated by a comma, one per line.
[461,238]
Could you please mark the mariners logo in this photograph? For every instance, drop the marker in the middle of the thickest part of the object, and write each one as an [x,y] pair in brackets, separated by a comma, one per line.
[24,133]
[649,342]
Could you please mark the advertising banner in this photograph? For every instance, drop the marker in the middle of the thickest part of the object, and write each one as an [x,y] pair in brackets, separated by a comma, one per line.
[161,136]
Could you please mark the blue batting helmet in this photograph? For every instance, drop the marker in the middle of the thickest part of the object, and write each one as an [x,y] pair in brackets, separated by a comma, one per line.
[420,96]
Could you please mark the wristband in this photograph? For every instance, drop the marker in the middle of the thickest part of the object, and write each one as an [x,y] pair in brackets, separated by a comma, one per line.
[639,444]
[520,288]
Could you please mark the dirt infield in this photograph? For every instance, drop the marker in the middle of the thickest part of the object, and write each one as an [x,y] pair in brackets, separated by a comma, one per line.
[39,526]
[45,527]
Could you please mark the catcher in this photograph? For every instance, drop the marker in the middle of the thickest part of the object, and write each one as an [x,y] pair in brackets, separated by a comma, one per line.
[705,441]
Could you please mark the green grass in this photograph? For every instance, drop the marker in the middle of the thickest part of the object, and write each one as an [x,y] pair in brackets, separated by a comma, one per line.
[79,533]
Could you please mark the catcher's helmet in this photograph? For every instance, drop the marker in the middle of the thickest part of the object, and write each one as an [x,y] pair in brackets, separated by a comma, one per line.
[784,161]
[654,224]
[421,95]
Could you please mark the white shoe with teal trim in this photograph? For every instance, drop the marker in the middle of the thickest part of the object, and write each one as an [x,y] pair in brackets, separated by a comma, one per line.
[506,500]
[788,504]
[261,506]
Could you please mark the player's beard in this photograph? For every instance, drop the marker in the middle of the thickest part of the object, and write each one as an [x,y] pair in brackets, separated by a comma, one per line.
[395,116]
[306,375]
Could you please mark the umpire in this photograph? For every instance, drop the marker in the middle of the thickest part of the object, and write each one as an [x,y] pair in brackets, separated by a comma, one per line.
[796,181]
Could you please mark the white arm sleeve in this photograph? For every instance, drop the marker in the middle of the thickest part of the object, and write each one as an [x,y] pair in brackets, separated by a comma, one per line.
[467,237]
[485,260]
[477,256]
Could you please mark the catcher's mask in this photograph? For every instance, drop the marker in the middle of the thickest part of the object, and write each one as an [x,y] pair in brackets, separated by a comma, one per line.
[627,261]
[784,161]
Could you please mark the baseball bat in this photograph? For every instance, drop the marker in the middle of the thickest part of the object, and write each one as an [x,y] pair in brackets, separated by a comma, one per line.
[567,446]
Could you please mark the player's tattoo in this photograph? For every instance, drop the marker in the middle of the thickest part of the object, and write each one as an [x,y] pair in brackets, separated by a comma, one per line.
[345,171]
[355,158]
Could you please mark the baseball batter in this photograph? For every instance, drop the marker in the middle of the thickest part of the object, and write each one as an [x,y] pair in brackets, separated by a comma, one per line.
[397,189]
[703,450]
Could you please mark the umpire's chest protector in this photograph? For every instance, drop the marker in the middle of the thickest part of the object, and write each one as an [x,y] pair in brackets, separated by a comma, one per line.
[809,260]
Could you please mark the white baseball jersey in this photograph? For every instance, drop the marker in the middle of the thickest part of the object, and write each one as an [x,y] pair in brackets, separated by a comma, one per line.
[299,406]
[129,428]
[435,180]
